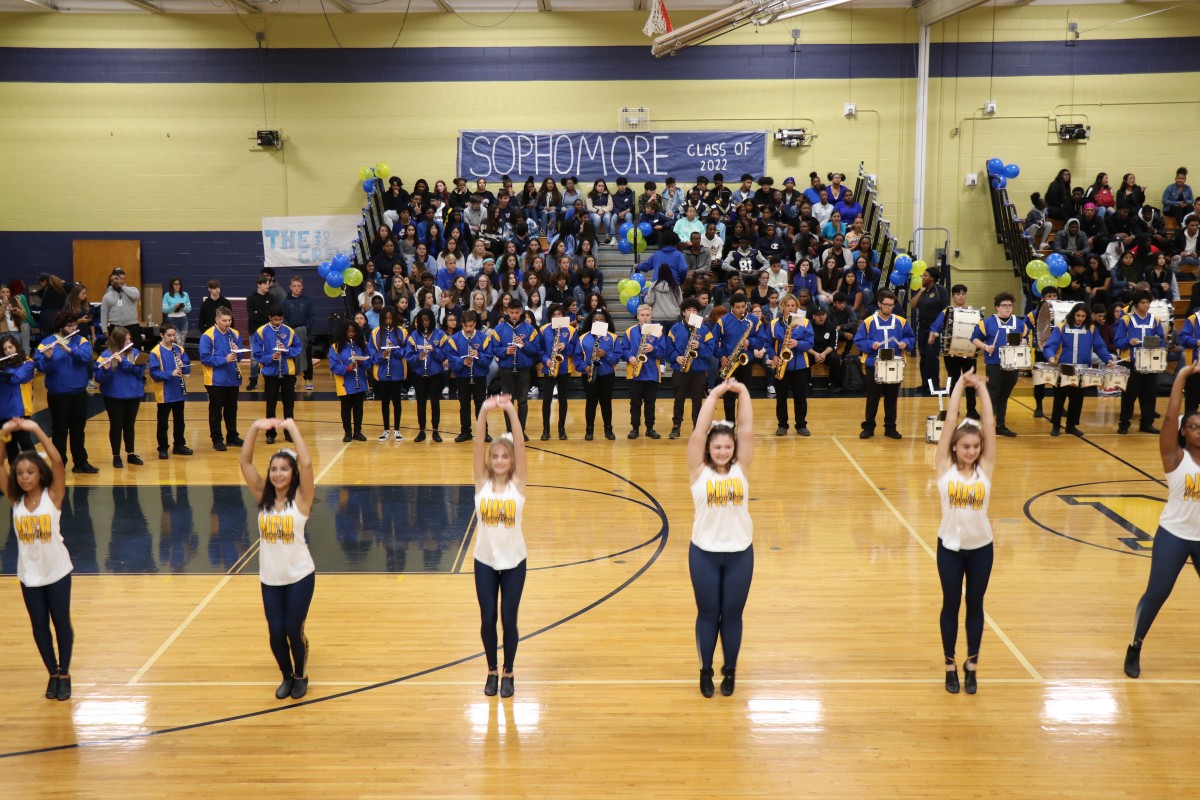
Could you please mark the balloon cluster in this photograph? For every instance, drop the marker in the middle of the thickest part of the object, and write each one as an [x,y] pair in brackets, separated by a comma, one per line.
[338,273]
[905,270]
[1001,173]
[632,238]
[368,175]
[1054,271]
[630,291]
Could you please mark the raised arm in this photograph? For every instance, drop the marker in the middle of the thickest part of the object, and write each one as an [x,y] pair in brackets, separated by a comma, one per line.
[307,489]
[987,421]
[699,437]
[520,467]
[246,460]
[58,470]
[1168,440]
[943,459]
[745,424]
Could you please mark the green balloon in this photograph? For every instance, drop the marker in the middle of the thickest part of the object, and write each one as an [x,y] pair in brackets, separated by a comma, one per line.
[1037,268]
[1064,280]
[353,276]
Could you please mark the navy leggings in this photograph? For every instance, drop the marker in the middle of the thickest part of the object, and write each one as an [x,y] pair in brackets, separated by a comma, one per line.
[507,585]
[721,583]
[976,566]
[286,608]
[46,603]
[1167,560]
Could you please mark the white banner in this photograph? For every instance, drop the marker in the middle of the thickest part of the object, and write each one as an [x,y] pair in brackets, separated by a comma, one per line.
[307,241]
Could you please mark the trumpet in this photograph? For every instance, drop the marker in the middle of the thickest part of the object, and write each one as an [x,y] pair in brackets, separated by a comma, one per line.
[739,357]
[785,353]
[176,351]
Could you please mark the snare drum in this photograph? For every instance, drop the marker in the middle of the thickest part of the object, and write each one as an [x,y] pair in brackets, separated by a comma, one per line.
[933,427]
[1016,357]
[1116,378]
[1068,375]
[960,325]
[1091,377]
[1045,375]
[889,371]
[1150,359]
[1060,310]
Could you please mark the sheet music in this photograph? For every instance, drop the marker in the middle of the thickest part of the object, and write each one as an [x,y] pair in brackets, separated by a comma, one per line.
[560,322]
[695,320]
[599,329]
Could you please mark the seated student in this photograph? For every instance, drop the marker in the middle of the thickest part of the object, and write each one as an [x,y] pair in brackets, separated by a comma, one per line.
[1070,242]
[1177,198]
[623,201]
[658,221]
[1037,224]
[849,208]
[1162,281]
[825,347]
[1186,244]
[449,271]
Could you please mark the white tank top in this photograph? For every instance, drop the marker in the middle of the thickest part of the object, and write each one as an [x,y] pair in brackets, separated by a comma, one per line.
[965,523]
[499,540]
[1182,514]
[42,557]
[722,523]
[283,556]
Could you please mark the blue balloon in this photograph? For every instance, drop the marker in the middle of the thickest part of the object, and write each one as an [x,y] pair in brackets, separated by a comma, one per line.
[369,185]
[646,228]
[995,166]
[903,264]
[640,277]
[898,279]
[1033,288]
[999,181]
[340,262]
[335,280]
[1057,268]
[633,304]
[324,269]
[623,231]
[1011,171]
[624,245]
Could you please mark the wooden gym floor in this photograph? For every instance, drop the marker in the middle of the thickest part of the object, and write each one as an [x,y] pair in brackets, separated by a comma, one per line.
[839,685]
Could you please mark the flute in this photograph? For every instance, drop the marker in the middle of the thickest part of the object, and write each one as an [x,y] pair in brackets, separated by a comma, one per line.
[104,362]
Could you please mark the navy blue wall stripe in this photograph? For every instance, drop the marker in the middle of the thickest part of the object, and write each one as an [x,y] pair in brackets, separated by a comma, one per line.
[1084,57]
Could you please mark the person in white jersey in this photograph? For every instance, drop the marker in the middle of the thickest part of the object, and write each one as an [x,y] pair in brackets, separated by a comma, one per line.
[36,491]
[1178,535]
[966,456]
[501,475]
[721,555]
[285,567]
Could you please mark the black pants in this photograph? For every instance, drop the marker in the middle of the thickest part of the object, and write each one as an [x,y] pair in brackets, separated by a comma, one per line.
[834,362]
[352,411]
[1072,398]
[743,374]
[286,608]
[561,382]
[389,394]
[280,387]
[505,586]
[929,358]
[168,411]
[796,382]
[470,392]
[516,384]
[68,414]
[721,585]
[1167,560]
[642,395]
[222,402]
[429,392]
[956,366]
[890,392]
[122,416]
[1000,385]
[953,566]
[20,442]
[46,604]
[688,386]
[1142,388]
[598,392]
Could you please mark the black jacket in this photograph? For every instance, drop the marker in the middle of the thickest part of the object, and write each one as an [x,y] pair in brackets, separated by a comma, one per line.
[256,309]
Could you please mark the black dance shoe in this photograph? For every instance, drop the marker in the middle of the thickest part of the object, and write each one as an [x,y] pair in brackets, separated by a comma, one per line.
[727,681]
[506,686]
[1133,660]
[52,688]
[299,688]
[285,690]
[64,687]
[706,682]
[490,687]
[952,679]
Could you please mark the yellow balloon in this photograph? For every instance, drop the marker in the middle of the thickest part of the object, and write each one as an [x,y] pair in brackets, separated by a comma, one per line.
[919,268]
[915,282]
[382,171]
[332,292]
[365,174]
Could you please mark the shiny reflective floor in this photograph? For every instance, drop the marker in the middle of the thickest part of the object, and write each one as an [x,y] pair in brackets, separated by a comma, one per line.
[839,689]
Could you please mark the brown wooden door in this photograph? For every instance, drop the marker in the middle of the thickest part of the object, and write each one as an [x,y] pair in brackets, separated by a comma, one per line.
[95,259]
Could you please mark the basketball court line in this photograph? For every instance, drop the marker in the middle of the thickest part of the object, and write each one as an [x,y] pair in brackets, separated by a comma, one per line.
[925,546]
[237,567]
[691,682]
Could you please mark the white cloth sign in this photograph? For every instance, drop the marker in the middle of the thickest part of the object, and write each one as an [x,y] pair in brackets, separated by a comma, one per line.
[307,241]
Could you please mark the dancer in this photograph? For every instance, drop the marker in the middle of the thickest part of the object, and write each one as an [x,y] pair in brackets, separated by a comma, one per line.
[36,490]
[966,456]
[285,567]
[501,475]
[721,555]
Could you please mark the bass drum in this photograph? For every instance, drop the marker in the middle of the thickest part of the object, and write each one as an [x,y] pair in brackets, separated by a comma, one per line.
[959,327]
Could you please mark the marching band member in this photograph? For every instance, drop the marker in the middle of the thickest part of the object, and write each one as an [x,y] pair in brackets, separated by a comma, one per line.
[470,356]
[169,367]
[285,565]
[730,334]
[596,356]
[64,357]
[643,387]
[555,342]
[882,330]
[1049,295]
[276,349]
[426,355]
[222,377]
[690,373]
[796,337]
[990,335]
[966,456]
[1132,331]
[1189,340]
[515,347]
[348,362]
[123,384]
[387,348]
[1073,342]
[957,365]
[16,393]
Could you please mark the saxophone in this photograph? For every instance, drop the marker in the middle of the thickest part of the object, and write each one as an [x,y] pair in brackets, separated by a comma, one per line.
[635,368]
[692,352]
[738,358]
[594,359]
[557,359]
[785,355]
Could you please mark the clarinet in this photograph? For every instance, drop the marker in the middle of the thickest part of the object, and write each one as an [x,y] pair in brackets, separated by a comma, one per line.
[232,347]
[516,346]
[387,355]
[179,366]
[471,358]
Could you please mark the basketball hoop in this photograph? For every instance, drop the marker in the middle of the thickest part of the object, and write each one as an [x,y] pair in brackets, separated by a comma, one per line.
[659,22]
